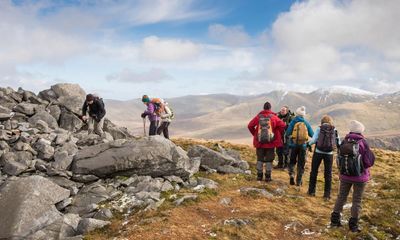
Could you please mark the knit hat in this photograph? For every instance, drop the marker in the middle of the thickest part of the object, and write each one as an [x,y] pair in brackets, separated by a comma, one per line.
[145,99]
[301,111]
[327,119]
[89,97]
[356,127]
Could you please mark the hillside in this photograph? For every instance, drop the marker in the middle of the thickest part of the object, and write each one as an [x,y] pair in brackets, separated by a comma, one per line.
[289,213]
[223,116]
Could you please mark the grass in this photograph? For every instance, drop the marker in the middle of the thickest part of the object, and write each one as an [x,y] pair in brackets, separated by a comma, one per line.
[204,218]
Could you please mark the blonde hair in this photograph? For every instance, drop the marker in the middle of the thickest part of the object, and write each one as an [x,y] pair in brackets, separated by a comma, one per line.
[327,119]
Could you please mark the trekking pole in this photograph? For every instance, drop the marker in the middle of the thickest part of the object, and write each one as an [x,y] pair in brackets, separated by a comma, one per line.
[144,127]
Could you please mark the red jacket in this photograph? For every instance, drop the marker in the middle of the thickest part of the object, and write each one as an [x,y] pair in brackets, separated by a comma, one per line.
[277,127]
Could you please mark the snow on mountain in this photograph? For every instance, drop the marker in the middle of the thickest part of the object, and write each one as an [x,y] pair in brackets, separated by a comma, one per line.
[345,90]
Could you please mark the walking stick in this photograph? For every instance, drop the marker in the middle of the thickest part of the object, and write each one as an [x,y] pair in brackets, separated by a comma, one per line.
[144,127]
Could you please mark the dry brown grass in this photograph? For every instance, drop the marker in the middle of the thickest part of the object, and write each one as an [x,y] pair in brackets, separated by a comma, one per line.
[204,218]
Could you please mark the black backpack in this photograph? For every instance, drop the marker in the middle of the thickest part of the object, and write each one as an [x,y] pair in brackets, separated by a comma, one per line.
[326,138]
[265,132]
[349,159]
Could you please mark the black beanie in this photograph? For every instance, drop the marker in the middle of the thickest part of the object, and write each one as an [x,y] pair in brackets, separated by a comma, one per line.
[267,106]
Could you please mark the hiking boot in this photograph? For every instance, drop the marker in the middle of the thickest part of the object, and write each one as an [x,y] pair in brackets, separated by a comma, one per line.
[268,177]
[335,220]
[327,199]
[353,225]
[311,194]
[292,181]
[259,176]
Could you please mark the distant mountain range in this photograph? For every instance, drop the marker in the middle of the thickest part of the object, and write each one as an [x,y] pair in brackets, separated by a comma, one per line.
[225,116]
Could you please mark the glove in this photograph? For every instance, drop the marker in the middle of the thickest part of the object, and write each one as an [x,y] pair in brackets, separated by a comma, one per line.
[143,115]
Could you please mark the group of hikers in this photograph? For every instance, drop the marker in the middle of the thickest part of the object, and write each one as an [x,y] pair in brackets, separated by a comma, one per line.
[158,110]
[290,135]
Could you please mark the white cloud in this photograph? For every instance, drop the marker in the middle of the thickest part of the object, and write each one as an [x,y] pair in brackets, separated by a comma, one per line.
[325,43]
[229,35]
[153,75]
[155,48]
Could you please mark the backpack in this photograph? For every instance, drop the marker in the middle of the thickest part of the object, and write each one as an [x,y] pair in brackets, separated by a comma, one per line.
[326,138]
[300,133]
[349,159]
[158,106]
[100,100]
[265,132]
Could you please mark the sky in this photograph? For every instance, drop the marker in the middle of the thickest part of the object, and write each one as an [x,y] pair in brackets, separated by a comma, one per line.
[122,49]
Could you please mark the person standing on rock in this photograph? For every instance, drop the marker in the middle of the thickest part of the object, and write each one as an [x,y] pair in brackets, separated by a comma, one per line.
[166,119]
[151,113]
[354,160]
[93,111]
[283,152]
[327,140]
[299,131]
[266,129]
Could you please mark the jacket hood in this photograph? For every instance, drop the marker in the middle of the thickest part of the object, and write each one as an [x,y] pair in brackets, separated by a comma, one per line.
[266,112]
[355,136]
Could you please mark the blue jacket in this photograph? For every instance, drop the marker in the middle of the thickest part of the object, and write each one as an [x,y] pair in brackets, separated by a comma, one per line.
[290,130]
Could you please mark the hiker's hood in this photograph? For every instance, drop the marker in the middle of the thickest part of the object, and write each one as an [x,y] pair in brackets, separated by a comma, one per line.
[267,112]
[298,119]
[355,136]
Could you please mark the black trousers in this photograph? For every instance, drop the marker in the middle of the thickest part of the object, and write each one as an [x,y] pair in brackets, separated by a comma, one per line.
[153,128]
[297,156]
[283,155]
[164,129]
[316,162]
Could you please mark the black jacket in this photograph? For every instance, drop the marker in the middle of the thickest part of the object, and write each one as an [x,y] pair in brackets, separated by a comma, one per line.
[96,109]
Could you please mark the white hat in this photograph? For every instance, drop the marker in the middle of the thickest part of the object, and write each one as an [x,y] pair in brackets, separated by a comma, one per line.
[356,127]
[301,111]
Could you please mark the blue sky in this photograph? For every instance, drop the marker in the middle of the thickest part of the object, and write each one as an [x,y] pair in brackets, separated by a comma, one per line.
[122,49]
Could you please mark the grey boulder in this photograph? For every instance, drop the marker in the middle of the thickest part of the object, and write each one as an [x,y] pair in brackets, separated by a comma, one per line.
[153,156]
[29,204]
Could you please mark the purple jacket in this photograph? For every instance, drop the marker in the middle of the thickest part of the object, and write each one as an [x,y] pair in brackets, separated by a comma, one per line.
[367,157]
[150,112]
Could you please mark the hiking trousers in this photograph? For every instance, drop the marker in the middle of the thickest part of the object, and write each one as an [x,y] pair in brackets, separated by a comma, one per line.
[153,128]
[265,155]
[344,190]
[283,155]
[164,129]
[94,126]
[316,162]
[297,156]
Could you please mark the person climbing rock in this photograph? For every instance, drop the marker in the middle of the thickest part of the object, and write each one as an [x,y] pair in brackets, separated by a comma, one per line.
[93,112]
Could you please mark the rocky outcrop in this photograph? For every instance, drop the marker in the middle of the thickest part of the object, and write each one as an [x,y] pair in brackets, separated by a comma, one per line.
[222,162]
[29,204]
[153,156]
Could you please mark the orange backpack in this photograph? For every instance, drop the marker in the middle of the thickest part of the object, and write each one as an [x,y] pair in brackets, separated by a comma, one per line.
[159,105]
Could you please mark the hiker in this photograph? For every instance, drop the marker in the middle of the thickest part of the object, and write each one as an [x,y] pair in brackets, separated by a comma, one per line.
[166,119]
[151,113]
[266,129]
[299,131]
[94,116]
[286,116]
[354,160]
[327,140]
